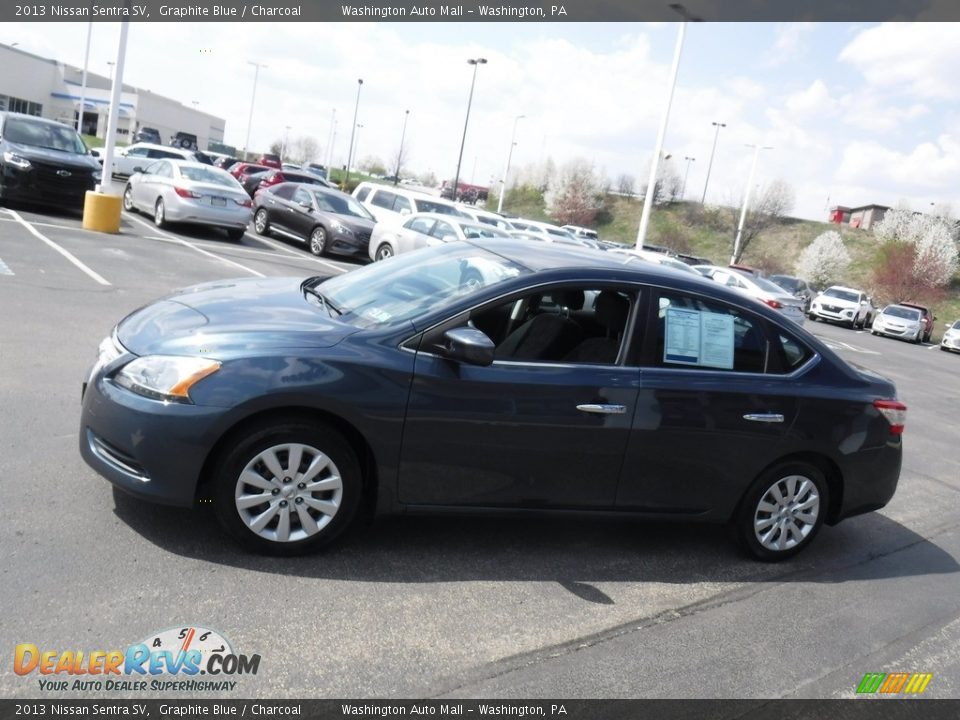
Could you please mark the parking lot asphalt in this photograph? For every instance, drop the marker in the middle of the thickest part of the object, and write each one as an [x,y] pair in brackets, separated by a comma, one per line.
[413,607]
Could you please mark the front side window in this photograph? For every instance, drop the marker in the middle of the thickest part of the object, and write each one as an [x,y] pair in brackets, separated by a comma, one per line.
[384,199]
[444,231]
[420,224]
[302,196]
[402,205]
[362,194]
[152,168]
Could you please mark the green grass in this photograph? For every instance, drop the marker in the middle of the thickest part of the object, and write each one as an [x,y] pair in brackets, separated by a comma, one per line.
[93,141]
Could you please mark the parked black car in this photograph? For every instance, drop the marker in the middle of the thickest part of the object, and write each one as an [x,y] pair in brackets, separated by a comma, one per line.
[495,378]
[328,220]
[147,135]
[44,162]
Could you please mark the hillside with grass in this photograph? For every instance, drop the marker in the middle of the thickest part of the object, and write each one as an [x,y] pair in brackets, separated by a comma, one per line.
[707,231]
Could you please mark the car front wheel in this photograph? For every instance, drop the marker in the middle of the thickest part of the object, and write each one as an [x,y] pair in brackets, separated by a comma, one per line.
[160,214]
[261,223]
[782,511]
[128,199]
[318,241]
[383,252]
[287,488]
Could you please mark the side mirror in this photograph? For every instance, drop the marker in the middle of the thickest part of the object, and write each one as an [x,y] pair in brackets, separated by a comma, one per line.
[468,345]
[95,153]
[138,169]
[305,204]
[404,211]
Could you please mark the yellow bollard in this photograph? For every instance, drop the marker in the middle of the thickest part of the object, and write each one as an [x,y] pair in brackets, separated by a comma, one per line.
[101,212]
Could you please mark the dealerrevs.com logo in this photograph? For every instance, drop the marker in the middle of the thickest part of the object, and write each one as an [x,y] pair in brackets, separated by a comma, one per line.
[168,661]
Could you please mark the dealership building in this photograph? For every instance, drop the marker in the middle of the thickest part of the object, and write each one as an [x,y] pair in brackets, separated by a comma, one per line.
[47,88]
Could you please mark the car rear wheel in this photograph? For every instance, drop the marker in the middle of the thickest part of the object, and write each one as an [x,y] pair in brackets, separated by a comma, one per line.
[128,199]
[918,337]
[782,511]
[383,252]
[318,241]
[160,214]
[287,488]
[261,222]
[235,233]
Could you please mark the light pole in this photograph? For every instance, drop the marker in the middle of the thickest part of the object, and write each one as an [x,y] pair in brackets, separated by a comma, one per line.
[111,64]
[683,192]
[83,80]
[403,134]
[331,136]
[476,62]
[716,134]
[356,145]
[113,114]
[353,129]
[283,145]
[658,148]
[746,200]
[253,98]
[195,103]
[506,168]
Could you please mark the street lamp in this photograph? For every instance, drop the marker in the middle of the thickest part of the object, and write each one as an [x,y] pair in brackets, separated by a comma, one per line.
[506,168]
[253,97]
[353,129]
[683,192]
[476,62]
[331,137]
[746,199]
[83,80]
[356,145]
[403,134]
[283,145]
[111,64]
[716,134]
[658,148]
[195,103]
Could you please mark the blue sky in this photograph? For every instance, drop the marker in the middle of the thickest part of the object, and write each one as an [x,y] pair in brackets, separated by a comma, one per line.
[858,113]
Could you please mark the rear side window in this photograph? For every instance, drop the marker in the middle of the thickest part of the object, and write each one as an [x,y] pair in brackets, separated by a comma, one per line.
[402,204]
[793,352]
[362,195]
[284,192]
[383,199]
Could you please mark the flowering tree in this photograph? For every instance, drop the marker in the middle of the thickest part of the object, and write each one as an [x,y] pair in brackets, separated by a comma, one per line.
[572,195]
[933,247]
[823,261]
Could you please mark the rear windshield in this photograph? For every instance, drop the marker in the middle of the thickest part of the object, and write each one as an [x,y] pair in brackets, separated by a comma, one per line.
[208,175]
[787,283]
[43,135]
[902,312]
[435,207]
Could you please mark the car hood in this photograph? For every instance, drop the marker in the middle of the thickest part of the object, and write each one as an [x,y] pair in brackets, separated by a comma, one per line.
[839,302]
[232,316]
[56,157]
[354,223]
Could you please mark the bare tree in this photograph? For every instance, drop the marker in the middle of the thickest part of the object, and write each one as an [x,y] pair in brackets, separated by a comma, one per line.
[772,205]
[304,149]
[372,165]
[403,152]
[276,146]
[626,184]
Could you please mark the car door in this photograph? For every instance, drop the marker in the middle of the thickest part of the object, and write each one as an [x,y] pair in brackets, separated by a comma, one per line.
[133,157]
[414,233]
[144,186]
[716,402]
[278,201]
[523,431]
[299,219]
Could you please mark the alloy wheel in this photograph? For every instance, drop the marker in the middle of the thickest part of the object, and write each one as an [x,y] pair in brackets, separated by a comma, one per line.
[260,222]
[384,252]
[318,241]
[787,513]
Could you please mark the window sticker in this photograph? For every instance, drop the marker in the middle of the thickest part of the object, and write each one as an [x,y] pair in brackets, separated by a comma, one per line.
[699,338]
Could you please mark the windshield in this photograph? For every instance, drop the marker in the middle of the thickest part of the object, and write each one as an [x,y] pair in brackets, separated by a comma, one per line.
[341,205]
[765,284]
[208,175]
[842,294]
[410,285]
[434,207]
[901,312]
[471,231]
[44,135]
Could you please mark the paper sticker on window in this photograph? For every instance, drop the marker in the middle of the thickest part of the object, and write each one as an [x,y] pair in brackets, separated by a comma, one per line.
[699,338]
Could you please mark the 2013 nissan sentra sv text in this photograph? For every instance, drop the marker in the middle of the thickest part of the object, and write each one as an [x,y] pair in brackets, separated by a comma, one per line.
[468,378]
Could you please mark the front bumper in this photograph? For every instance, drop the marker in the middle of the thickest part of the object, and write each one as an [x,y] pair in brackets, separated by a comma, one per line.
[898,331]
[43,187]
[352,244]
[150,449]
[844,315]
[951,343]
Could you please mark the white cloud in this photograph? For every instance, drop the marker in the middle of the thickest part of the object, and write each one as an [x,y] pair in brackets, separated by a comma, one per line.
[789,42]
[814,100]
[927,168]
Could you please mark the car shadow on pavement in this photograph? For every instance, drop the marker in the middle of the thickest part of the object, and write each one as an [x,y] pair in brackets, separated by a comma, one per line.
[575,553]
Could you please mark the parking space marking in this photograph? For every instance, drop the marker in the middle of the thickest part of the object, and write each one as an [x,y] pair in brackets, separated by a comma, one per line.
[66,253]
[4,268]
[840,345]
[190,245]
[287,250]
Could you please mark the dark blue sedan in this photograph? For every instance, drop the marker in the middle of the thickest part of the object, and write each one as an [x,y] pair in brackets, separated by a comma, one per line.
[495,378]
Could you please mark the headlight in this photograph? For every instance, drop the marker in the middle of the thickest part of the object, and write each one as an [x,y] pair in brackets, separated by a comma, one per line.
[17,161]
[96,174]
[165,377]
[340,227]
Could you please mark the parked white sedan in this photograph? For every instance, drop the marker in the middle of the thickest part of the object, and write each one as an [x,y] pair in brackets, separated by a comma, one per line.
[424,230]
[142,154]
[188,192]
[758,288]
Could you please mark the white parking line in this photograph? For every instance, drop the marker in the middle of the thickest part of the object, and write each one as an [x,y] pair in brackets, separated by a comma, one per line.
[932,347]
[66,253]
[4,268]
[287,250]
[190,245]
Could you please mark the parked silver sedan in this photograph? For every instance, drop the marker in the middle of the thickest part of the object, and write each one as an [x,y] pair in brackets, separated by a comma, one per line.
[177,191]
[898,321]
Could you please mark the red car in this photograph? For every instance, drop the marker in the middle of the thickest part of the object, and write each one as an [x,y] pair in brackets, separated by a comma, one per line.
[282,176]
[926,315]
[270,160]
[241,170]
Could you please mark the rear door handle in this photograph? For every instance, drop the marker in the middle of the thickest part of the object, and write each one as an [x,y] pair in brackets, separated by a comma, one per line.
[602,409]
[764,417]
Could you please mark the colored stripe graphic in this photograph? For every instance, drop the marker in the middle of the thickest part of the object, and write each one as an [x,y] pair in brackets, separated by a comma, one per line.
[893,683]
[918,683]
[871,682]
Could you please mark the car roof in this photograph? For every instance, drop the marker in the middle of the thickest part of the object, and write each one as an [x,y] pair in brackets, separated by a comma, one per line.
[193,164]
[842,287]
[913,305]
[157,146]
[23,116]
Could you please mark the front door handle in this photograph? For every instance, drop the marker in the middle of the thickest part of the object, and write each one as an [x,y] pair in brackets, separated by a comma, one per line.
[764,417]
[603,409]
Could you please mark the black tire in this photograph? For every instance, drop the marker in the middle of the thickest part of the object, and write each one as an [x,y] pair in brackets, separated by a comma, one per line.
[812,317]
[128,199]
[235,234]
[261,222]
[384,252]
[917,339]
[318,240]
[926,337]
[159,214]
[258,439]
[750,509]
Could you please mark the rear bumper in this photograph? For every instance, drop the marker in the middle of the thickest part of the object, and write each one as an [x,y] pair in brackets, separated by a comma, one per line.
[870,479]
[187,212]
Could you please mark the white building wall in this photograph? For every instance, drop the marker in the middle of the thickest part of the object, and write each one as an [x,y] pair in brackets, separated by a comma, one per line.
[26,77]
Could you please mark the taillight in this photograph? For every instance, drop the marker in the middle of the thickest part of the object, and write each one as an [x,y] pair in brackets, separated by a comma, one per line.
[895,412]
[183,192]
[774,304]
[245,203]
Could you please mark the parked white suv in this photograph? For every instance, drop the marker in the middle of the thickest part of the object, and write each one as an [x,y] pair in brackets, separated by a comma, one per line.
[391,204]
[848,306]
[143,154]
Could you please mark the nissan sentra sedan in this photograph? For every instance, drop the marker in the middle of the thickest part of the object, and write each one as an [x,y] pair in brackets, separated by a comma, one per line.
[562,381]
